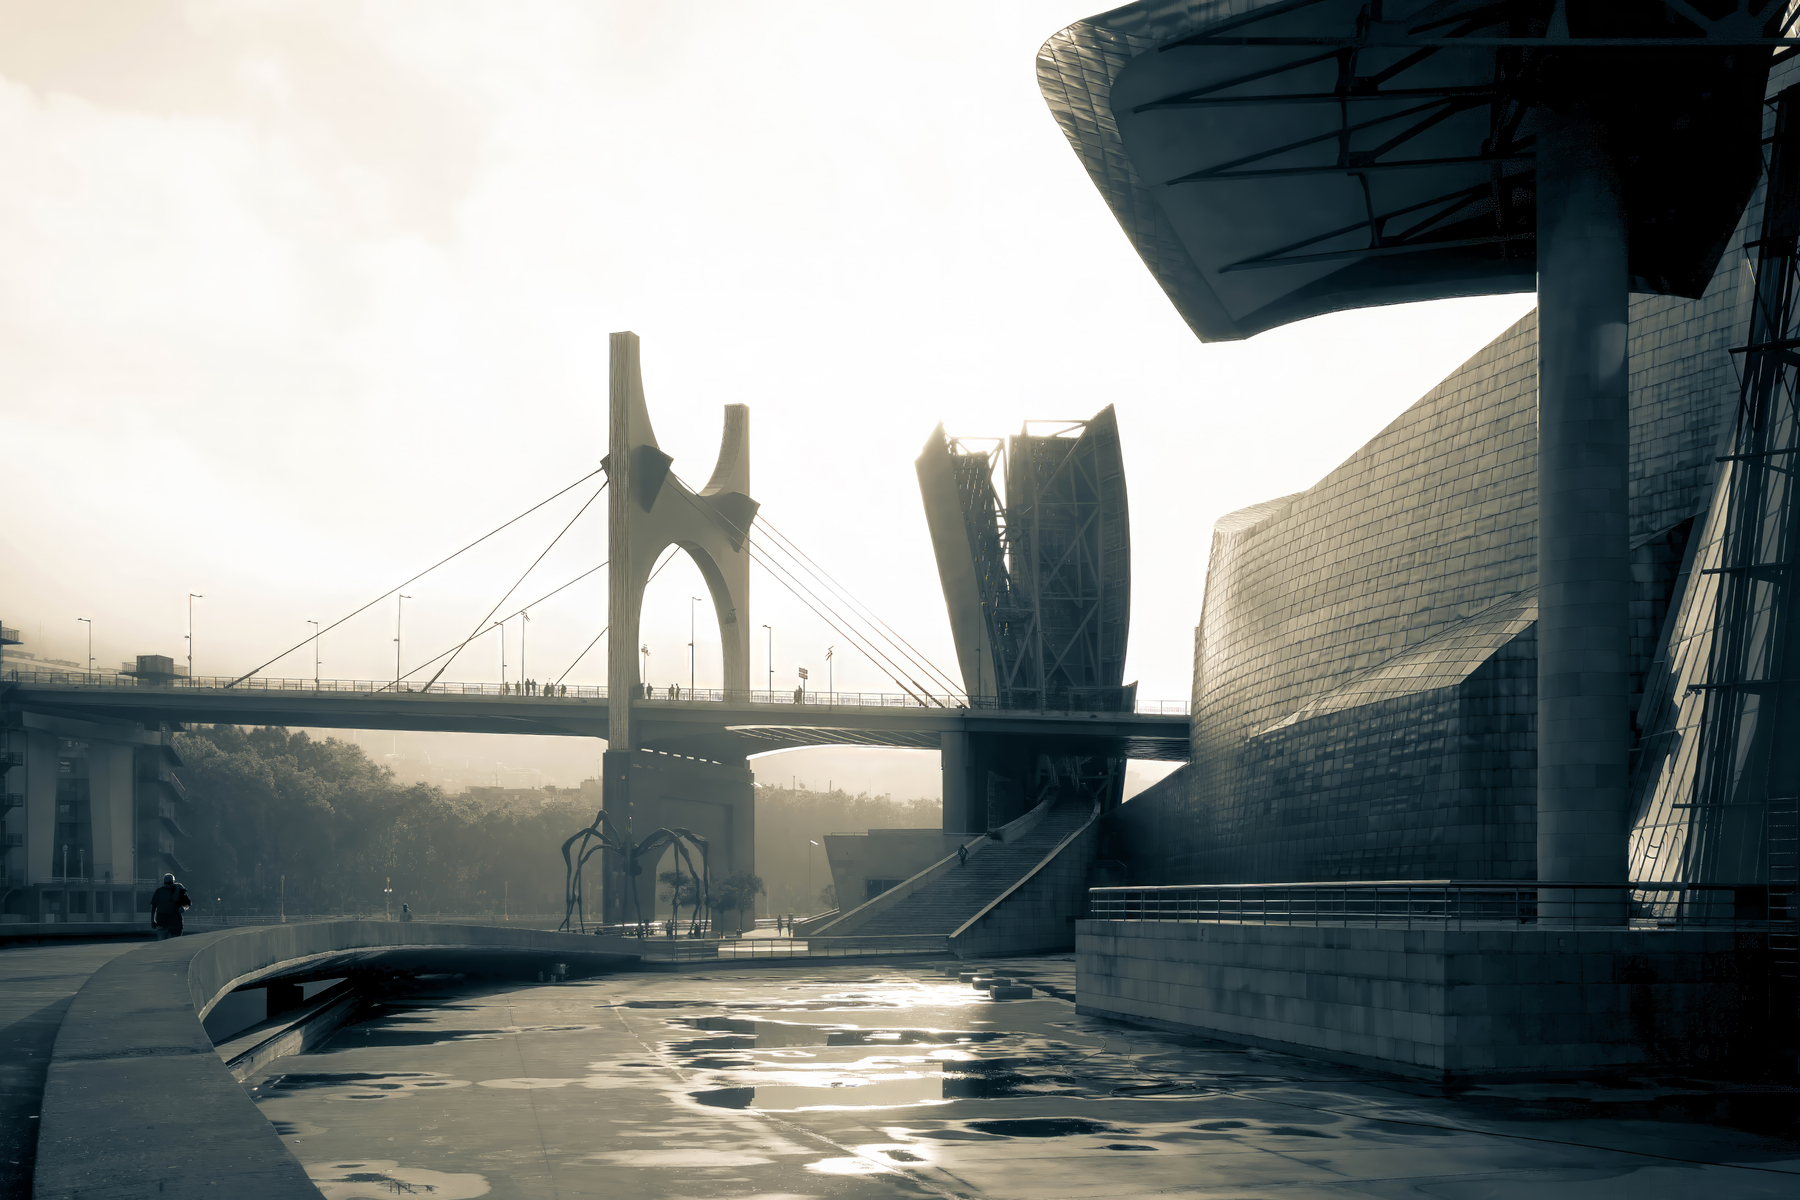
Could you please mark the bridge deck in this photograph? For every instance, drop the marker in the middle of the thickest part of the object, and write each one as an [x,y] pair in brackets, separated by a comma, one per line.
[708,724]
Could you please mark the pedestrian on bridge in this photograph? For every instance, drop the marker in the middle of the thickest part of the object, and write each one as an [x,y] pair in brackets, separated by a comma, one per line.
[166,905]
[962,855]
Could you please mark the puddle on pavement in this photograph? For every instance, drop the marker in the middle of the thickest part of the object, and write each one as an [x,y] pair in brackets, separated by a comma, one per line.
[1039,1127]
[766,1035]
[378,1178]
[389,1026]
[773,1050]
[786,1066]
[354,1085]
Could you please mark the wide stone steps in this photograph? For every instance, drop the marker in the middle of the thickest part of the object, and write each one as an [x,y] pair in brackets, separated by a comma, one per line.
[947,902]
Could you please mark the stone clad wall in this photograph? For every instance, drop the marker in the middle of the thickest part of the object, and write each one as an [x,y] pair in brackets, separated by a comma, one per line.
[1431,521]
[1438,1002]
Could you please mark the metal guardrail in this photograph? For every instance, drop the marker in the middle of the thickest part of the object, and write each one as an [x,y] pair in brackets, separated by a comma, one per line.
[564,693]
[663,949]
[658,947]
[1457,904]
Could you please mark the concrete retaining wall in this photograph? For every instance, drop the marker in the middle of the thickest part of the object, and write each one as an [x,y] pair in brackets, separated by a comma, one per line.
[137,1101]
[1038,913]
[1440,1003]
[855,918]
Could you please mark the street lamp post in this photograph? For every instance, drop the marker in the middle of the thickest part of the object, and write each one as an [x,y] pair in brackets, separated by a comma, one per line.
[192,596]
[830,676]
[90,626]
[524,625]
[692,600]
[771,657]
[399,620]
[387,893]
[315,626]
[809,849]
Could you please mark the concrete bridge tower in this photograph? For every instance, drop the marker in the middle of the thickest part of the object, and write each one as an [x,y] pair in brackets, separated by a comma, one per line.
[649,510]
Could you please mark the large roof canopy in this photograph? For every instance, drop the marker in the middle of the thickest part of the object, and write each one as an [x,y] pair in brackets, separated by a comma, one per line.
[1272,160]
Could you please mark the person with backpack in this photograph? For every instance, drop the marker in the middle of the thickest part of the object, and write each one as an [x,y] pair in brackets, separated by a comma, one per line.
[166,905]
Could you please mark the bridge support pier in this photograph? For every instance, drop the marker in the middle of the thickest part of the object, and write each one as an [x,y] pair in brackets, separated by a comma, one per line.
[646,791]
[990,779]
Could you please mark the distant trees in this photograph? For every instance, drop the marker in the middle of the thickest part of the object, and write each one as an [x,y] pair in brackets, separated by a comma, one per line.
[737,893]
[788,820]
[267,803]
[679,886]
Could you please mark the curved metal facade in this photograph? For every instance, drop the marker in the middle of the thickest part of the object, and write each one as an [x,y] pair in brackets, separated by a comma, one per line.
[1273,161]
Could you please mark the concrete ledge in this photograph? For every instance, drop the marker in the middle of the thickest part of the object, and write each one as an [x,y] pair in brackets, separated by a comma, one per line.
[137,1100]
[1506,1002]
[37,931]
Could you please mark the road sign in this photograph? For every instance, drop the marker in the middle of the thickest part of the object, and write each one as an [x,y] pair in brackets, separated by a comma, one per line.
[803,672]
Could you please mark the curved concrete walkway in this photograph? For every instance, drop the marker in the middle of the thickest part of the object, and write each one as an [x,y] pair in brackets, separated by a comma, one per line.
[136,1101]
[37,984]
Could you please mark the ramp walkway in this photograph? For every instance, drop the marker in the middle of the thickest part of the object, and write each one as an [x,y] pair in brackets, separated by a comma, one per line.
[1038,858]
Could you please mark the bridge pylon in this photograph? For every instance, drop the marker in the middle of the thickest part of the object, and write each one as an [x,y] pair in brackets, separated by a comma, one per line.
[649,510]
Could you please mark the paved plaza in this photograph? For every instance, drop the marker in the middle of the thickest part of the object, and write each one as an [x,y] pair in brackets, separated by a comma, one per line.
[36,986]
[849,1080]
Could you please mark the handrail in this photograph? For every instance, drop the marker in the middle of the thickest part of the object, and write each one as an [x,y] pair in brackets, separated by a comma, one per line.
[570,693]
[1456,903]
[1011,831]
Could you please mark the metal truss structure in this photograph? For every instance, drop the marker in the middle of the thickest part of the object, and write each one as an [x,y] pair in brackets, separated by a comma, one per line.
[1719,769]
[1354,152]
[1038,525]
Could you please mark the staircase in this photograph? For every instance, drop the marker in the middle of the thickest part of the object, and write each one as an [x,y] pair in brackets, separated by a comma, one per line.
[946,903]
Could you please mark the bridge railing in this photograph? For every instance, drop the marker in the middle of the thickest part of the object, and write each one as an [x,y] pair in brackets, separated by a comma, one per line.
[539,693]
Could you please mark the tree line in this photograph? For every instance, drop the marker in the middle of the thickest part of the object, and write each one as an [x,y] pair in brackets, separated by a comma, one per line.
[280,818]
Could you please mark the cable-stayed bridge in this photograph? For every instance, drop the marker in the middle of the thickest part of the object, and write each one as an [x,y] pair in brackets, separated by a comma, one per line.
[712,725]
[679,758]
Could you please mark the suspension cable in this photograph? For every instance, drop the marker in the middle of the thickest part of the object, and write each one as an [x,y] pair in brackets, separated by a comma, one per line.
[673,550]
[783,576]
[515,587]
[893,636]
[428,570]
[502,621]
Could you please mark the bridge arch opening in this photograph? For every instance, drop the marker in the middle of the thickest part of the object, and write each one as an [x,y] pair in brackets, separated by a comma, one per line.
[665,623]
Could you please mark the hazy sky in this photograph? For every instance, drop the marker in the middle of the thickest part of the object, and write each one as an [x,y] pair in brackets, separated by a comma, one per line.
[296,298]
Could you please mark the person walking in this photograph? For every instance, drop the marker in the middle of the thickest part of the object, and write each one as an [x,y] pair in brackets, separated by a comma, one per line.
[406,912]
[166,905]
[962,856]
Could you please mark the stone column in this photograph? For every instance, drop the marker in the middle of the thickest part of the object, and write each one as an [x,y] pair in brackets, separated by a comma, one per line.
[953,759]
[622,685]
[1584,575]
